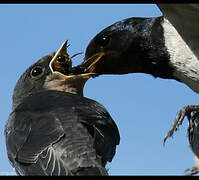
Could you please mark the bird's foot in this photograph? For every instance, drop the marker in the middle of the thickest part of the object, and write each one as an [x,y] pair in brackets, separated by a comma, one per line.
[185,111]
[191,171]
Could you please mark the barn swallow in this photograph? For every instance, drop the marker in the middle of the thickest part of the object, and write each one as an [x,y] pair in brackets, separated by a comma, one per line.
[165,47]
[53,129]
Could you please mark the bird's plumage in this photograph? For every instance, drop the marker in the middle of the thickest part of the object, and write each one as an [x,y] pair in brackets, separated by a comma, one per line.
[52,132]
[58,133]
[184,17]
[193,133]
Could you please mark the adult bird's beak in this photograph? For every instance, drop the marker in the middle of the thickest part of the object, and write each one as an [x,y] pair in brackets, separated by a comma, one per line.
[61,65]
[97,64]
[91,63]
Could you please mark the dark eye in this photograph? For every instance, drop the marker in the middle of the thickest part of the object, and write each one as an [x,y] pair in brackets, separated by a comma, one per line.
[60,59]
[36,71]
[104,41]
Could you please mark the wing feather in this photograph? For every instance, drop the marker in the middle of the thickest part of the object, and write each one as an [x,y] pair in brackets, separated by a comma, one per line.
[46,135]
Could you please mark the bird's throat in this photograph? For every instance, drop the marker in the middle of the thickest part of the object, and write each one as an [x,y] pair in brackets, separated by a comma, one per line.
[74,86]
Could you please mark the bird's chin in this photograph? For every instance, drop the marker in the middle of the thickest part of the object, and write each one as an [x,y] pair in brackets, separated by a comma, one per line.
[72,84]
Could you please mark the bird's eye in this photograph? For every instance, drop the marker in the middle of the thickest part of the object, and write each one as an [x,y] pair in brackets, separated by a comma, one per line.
[60,59]
[36,71]
[104,41]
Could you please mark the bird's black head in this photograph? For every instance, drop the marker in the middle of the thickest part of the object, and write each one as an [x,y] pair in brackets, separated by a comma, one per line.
[52,72]
[32,80]
[128,46]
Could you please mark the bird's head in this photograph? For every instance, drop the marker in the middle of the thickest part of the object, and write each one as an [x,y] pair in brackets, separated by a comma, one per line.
[52,72]
[133,45]
[142,45]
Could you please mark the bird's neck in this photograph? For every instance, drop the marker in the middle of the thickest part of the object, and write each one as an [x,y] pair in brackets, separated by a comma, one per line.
[74,86]
[184,62]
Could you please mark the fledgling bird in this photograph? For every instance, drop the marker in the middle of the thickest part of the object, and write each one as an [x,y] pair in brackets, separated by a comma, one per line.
[53,129]
[165,47]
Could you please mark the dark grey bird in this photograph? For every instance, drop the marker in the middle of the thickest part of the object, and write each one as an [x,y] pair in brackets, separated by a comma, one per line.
[53,129]
[165,47]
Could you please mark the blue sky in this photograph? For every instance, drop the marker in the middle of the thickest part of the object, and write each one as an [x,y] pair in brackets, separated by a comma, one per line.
[143,107]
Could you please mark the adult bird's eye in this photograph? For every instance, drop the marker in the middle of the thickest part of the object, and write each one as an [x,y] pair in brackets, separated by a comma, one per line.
[104,41]
[36,71]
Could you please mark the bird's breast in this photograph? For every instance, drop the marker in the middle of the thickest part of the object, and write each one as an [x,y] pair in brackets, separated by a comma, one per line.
[182,59]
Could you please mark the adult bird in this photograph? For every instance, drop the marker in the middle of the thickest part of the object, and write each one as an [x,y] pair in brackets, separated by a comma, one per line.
[165,47]
[53,129]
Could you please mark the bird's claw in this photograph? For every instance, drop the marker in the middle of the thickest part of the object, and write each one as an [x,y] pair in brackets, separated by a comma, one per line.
[185,111]
[191,171]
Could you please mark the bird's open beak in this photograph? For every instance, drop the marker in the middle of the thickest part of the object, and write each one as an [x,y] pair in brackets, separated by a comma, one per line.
[91,65]
[60,60]
[61,65]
